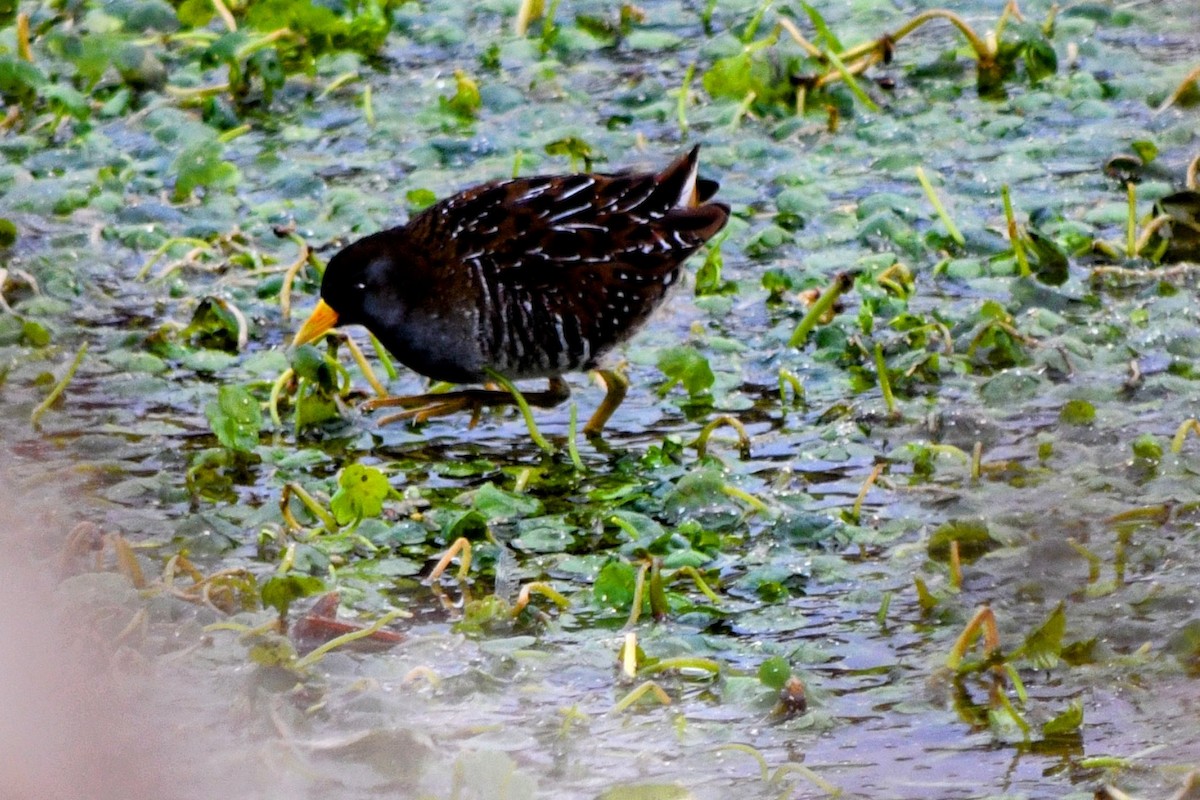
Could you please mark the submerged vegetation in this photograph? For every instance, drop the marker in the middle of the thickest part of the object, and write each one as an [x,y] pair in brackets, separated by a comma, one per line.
[911,466]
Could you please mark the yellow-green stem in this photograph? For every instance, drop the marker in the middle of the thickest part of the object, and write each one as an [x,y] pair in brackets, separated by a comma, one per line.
[936,201]
[788,378]
[1131,222]
[276,391]
[365,367]
[858,91]
[368,106]
[841,284]
[682,662]
[732,422]
[346,638]
[745,497]
[59,388]
[742,109]
[698,580]
[684,92]
[337,83]
[572,444]
[315,508]
[649,687]
[233,133]
[1181,434]
[1014,234]
[519,398]
[885,382]
[639,591]
[24,51]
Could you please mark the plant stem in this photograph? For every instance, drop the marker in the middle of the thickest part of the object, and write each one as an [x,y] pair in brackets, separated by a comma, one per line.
[982,52]
[788,378]
[368,106]
[519,398]
[856,510]
[745,497]
[649,687]
[841,284]
[316,655]
[309,502]
[572,445]
[684,91]
[58,389]
[742,109]
[755,21]
[364,366]
[225,15]
[682,662]
[808,47]
[732,422]
[1181,434]
[885,382]
[1131,222]
[24,51]
[936,201]
[1014,235]
[858,91]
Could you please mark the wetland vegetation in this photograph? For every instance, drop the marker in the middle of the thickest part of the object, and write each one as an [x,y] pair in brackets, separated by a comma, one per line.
[904,498]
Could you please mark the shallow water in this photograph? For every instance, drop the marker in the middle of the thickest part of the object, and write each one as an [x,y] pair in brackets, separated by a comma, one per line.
[527,708]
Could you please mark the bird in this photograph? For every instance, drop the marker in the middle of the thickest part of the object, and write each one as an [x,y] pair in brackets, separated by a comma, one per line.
[527,278]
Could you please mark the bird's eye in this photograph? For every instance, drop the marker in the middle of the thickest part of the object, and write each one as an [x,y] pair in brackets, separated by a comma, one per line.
[360,286]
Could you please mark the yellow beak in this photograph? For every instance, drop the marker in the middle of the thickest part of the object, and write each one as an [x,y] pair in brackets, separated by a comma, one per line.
[317,325]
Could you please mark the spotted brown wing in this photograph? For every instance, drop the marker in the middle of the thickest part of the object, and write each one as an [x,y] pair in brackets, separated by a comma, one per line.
[568,266]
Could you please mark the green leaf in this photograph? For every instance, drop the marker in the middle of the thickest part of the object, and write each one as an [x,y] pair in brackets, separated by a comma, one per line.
[647,791]
[361,492]
[213,326]
[972,537]
[200,165]
[686,365]
[65,99]
[614,585]
[1044,646]
[195,13]
[8,232]
[730,77]
[708,277]
[573,147]
[420,199]
[1147,447]
[279,591]
[1052,266]
[313,365]
[1040,60]
[1068,723]
[1146,150]
[19,80]
[34,333]
[767,240]
[774,672]
[465,102]
[235,418]
[94,55]
[1077,412]
[777,283]
[495,503]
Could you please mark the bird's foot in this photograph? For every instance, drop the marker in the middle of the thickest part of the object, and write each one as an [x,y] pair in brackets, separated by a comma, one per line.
[424,407]
[615,386]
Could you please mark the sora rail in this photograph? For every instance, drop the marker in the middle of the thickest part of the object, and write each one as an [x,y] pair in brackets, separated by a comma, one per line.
[526,278]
